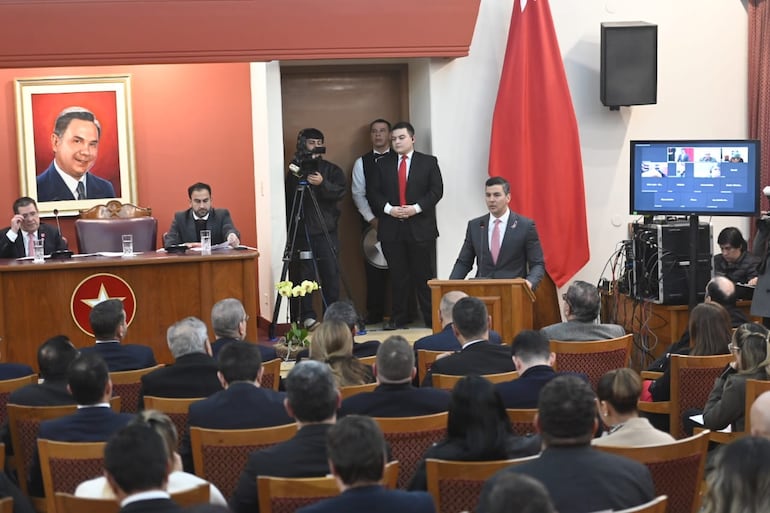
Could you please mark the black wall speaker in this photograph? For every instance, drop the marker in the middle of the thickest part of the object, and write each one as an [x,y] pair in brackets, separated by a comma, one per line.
[629,64]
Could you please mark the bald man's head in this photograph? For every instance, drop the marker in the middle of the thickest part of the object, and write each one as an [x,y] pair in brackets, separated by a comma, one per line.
[447,303]
[760,416]
[721,290]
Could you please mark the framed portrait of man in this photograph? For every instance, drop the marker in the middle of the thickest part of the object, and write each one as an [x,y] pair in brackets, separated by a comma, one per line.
[75,138]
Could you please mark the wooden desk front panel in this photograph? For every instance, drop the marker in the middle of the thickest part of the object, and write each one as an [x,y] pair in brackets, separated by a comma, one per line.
[35,298]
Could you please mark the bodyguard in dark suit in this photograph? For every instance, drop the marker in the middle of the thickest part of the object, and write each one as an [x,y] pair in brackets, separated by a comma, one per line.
[187,225]
[108,322]
[312,399]
[229,321]
[89,381]
[136,466]
[194,371]
[26,227]
[395,396]
[357,457]
[75,142]
[242,404]
[403,196]
[517,252]
[578,477]
[471,326]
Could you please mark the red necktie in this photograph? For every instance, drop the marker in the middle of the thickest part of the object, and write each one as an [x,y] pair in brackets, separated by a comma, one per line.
[402,180]
[495,246]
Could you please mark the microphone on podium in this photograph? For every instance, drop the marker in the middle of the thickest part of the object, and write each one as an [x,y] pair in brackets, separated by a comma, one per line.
[59,254]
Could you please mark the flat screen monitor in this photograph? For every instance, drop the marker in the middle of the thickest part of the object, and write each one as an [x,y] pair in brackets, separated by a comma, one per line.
[695,177]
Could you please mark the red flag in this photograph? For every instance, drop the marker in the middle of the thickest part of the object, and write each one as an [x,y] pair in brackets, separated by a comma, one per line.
[535,143]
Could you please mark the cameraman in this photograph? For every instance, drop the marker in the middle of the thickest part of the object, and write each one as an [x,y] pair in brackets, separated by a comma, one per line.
[760,303]
[326,182]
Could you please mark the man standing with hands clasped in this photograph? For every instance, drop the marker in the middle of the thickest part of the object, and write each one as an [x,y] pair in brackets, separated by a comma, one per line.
[403,196]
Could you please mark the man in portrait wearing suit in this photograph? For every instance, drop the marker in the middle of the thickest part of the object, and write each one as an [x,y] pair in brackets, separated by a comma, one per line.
[478,356]
[108,322]
[357,458]
[243,404]
[94,421]
[75,141]
[503,243]
[312,399]
[187,224]
[581,308]
[403,196]
[18,240]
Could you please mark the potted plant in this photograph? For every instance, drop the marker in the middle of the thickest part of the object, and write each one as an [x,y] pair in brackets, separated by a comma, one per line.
[296,339]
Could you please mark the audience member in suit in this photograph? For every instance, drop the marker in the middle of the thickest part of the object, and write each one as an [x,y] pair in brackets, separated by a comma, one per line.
[478,429]
[194,372]
[243,404]
[760,416]
[740,478]
[332,344]
[403,196]
[136,464]
[345,311]
[89,382]
[14,370]
[108,322]
[581,308]
[17,240]
[445,340]
[312,399]
[229,321]
[517,492]
[471,327]
[357,458]
[578,477]
[517,253]
[533,359]
[75,142]
[395,396]
[618,392]
[187,224]
[178,480]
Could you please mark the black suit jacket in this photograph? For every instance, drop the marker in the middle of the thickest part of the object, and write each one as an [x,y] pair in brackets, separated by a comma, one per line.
[152,506]
[424,187]
[183,227]
[401,400]
[520,253]
[239,406]
[267,353]
[302,456]
[52,241]
[524,392]
[374,499]
[122,357]
[477,358]
[445,340]
[580,479]
[191,375]
[51,187]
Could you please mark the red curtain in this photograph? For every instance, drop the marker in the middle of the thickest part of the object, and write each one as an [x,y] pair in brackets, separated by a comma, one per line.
[759,84]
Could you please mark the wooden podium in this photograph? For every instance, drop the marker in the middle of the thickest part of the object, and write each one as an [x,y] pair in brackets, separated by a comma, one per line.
[510,302]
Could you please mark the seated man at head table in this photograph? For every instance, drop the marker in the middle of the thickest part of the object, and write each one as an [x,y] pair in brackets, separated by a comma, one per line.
[18,240]
[187,224]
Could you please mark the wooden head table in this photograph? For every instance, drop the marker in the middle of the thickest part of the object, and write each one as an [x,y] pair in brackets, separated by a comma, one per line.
[37,301]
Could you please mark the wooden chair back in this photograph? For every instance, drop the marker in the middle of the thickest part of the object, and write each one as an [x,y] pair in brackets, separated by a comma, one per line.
[754,388]
[368,360]
[522,420]
[128,385]
[220,455]
[65,465]
[448,381]
[676,468]
[68,503]
[6,505]
[24,424]
[425,359]
[200,494]
[410,437]
[286,495]
[456,485]
[593,358]
[692,378]
[9,385]
[113,209]
[656,505]
[271,374]
[176,408]
[352,390]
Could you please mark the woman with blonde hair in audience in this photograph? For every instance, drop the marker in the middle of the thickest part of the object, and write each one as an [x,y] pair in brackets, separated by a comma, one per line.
[178,481]
[618,392]
[740,480]
[332,343]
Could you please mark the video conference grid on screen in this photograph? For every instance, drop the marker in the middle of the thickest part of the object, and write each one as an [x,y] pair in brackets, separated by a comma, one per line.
[693,179]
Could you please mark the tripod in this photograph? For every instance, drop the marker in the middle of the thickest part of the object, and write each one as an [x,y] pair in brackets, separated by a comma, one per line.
[289,253]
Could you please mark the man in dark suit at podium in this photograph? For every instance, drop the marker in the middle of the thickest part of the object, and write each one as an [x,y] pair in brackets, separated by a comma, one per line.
[187,224]
[503,243]
[17,240]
